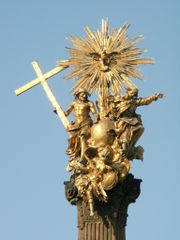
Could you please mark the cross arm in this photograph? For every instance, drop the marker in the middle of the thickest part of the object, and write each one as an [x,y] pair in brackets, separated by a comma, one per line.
[36,81]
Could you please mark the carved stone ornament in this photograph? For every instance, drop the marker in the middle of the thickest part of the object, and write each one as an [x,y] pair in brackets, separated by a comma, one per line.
[109,219]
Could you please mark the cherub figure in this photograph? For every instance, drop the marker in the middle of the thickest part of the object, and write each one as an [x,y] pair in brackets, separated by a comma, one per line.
[96,176]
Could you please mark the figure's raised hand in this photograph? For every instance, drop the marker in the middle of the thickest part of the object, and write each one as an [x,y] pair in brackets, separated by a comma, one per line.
[159,95]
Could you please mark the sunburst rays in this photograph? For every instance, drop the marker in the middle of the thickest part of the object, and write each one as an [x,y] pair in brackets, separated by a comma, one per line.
[105,62]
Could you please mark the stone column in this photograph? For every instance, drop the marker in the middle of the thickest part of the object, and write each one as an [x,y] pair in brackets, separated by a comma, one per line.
[109,220]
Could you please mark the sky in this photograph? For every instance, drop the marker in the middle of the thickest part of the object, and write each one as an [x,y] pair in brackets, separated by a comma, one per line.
[33,140]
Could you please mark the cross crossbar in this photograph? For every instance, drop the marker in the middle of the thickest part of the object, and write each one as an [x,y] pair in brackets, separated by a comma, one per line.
[36,81]
[42,79]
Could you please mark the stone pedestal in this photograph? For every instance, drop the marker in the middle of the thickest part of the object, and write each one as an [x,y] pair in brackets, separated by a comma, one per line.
[109,220]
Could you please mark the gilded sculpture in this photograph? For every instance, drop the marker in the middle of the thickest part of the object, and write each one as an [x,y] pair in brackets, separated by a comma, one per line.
[101,149]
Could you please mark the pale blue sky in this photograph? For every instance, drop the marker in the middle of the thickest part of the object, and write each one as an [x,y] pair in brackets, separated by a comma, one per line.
[33,140]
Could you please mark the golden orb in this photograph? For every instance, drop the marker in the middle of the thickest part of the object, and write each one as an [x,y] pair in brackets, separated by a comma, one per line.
[103,133]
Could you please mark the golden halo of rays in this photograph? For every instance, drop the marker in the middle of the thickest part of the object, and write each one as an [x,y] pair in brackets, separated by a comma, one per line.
[105,62]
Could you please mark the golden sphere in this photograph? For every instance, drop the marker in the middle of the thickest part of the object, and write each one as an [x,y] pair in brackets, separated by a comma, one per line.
[103,133]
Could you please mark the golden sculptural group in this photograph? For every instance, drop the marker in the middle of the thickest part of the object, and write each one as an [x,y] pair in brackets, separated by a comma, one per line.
[100,150]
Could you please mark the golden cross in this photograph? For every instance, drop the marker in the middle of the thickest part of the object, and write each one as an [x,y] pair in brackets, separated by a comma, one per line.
[36,81]
[42,79]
